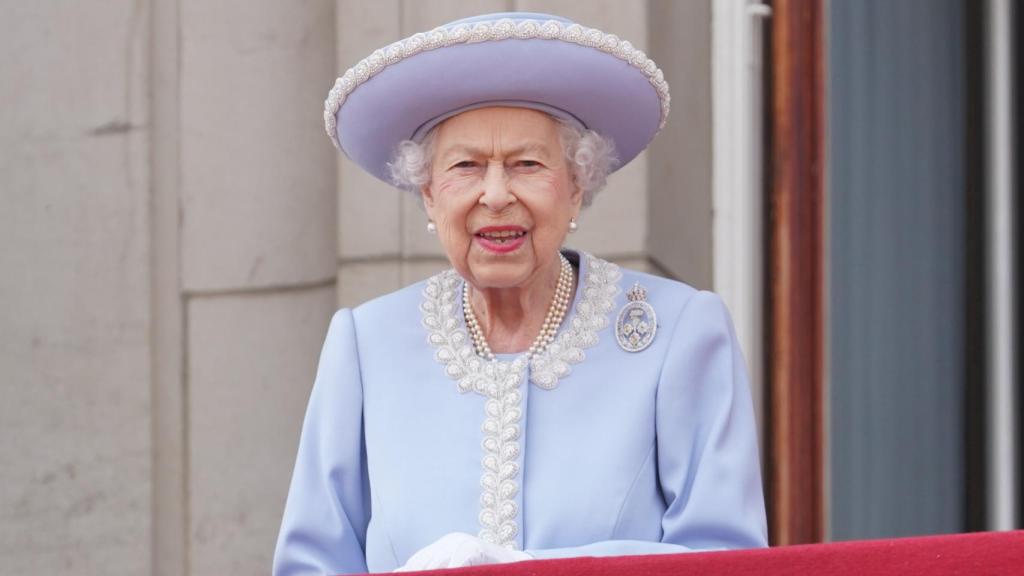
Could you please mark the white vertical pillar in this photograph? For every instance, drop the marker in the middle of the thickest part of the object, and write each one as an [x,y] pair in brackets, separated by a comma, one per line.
[738,185]
[1000,313]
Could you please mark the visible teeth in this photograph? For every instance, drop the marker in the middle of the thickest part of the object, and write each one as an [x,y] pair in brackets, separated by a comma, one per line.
[503,234]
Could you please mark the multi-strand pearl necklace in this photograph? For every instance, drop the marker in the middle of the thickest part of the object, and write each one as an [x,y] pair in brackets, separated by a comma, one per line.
[548,330]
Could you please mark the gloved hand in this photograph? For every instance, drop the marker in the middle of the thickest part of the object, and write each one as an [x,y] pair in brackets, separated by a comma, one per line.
[461,549]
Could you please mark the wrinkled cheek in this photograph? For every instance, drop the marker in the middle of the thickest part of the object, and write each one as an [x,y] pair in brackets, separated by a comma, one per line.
[456,187]
[545,240]
[451,224]
[453,237]
[446,219]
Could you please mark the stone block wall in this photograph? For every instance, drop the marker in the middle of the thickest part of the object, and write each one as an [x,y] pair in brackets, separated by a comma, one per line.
[75,368]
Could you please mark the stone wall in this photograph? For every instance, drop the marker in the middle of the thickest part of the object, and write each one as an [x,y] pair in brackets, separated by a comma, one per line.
[76,481]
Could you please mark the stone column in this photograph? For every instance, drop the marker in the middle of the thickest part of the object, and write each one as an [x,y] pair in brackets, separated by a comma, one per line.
[75,321]
[258,261]
[680,214]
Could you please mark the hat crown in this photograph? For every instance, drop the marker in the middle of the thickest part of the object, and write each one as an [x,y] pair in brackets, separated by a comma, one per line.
[536,60]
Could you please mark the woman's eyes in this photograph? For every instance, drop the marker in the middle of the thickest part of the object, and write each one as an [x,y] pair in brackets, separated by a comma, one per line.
[518,164]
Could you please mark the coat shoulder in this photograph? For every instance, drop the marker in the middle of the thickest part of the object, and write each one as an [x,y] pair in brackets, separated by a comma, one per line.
[668,297]
[389,310]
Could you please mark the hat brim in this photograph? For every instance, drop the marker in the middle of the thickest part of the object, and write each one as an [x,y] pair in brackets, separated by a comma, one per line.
[598,89]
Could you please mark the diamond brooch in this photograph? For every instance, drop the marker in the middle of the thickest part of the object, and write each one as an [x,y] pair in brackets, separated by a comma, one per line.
[637,323]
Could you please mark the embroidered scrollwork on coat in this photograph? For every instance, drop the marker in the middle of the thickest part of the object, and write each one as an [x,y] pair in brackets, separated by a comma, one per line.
[499,381]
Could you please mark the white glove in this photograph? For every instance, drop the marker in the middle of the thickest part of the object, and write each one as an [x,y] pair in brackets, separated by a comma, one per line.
[461,549]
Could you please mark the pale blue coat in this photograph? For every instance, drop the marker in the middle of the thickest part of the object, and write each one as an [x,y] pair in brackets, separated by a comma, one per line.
[625,453]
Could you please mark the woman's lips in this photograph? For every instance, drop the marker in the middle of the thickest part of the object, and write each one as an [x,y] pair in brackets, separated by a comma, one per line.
[501,239]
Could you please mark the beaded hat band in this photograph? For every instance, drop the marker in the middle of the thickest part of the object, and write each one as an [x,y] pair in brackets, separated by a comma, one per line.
[529,60]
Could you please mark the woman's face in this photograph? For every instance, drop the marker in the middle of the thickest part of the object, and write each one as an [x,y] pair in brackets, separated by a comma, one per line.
[501,195]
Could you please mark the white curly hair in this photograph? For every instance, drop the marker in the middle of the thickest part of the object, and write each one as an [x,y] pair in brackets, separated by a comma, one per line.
[591,159]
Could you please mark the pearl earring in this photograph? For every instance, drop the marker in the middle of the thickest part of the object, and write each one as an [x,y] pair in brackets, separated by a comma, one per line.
[573,226]
[431,227]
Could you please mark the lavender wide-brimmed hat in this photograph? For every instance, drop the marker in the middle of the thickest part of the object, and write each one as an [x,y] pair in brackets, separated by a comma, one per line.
[548,63]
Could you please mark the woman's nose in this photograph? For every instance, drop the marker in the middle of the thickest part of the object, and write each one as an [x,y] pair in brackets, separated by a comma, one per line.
[496,194]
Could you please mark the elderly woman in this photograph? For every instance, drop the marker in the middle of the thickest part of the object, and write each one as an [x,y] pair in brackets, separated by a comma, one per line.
[531,402]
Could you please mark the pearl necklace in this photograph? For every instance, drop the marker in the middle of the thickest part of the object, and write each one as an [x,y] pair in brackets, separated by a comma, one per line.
[548,331]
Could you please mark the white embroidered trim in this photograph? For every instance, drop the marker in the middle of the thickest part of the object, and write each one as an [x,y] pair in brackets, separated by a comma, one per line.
[590,317]
[499,381]
[503,29]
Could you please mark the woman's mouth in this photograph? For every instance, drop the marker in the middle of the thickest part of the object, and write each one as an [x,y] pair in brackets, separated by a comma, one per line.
[501,240]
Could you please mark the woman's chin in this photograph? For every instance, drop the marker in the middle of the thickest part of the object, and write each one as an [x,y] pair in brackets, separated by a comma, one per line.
[511,270]
[495,277]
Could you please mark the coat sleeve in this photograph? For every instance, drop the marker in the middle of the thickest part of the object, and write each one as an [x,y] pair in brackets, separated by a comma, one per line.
[325,518]
[708,465]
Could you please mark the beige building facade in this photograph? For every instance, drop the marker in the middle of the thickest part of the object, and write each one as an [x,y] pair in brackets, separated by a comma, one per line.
[177,230]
